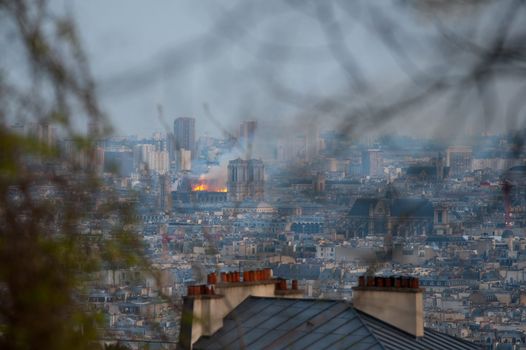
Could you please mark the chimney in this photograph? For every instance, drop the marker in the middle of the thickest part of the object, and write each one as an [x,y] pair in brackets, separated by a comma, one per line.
[205,306]
[395,300]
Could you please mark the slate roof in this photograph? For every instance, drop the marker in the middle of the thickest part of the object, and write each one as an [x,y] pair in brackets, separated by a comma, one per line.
[361,206]
[294,271]
[275,323]
[400,207]
[412,207]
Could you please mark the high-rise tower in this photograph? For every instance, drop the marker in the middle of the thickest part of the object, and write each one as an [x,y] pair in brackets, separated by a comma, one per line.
[459,160]
[184,134]
[372,162]
[247,132]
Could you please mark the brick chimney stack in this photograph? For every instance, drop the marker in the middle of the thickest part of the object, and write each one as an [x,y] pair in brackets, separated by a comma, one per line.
[396,300]
[206,305]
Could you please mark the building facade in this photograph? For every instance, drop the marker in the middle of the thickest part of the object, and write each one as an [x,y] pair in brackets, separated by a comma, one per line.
[245,179]
[459,160]
[184,134]
[372,163]
[397,217]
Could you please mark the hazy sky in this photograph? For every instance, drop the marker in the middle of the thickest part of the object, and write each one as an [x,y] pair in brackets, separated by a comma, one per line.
[266,60]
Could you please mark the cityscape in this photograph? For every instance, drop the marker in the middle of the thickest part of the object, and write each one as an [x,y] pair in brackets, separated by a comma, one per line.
[451,215]
[368,224]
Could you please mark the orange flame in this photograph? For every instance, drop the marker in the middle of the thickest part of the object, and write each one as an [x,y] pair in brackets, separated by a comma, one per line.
[200,187]
[204,185]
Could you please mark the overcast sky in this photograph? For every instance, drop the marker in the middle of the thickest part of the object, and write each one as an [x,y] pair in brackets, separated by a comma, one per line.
[265,60]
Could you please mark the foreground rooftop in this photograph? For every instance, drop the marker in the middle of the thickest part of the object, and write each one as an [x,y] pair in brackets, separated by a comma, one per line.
[279,323]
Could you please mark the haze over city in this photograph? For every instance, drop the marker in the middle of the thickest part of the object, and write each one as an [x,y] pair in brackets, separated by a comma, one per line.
[245,61]
[262,174]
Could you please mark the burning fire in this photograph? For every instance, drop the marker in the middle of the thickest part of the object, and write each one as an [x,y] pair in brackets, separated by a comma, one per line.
[207,185]
[200,187]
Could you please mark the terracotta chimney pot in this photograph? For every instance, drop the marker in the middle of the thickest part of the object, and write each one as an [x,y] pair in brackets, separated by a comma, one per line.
[295,284]
[361,281]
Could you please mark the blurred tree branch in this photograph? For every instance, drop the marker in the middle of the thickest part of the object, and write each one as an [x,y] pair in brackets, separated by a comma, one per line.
[48,197]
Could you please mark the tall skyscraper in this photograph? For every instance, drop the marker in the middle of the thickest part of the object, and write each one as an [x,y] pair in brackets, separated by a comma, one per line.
[372,162]
[247,132]
[459,160]
[245,179]
[184,133]
[147,156]
[312,142]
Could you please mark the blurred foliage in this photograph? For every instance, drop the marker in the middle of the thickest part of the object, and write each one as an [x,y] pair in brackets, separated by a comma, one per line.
[59,224]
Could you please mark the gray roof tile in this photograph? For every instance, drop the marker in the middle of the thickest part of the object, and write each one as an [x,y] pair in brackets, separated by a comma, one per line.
[275,323]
